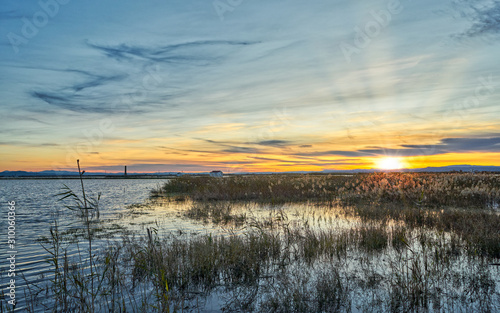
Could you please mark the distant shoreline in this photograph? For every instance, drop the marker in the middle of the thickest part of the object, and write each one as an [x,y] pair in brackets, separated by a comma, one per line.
[88,177]
[146,176]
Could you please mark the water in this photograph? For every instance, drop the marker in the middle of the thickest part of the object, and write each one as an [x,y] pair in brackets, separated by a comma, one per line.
[37,208]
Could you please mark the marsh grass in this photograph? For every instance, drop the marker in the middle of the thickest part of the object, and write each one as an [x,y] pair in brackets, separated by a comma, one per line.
[215,212]
[241,265]
[477,228]
[467,190]
[272,188]
[372,237]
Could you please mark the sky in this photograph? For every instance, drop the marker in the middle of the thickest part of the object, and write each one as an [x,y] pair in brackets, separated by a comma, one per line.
[248,86]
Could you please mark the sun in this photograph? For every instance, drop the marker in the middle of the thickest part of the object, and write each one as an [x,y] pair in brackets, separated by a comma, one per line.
[390,163]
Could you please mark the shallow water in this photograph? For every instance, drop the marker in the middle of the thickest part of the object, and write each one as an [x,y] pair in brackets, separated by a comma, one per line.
[37,207]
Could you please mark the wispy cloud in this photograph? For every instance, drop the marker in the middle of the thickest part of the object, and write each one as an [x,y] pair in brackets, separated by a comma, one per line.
[195,52]
[28,144]
[96,80]
[247,150]
[275,143]
[446,145]
[11,14]
[335,153]
[78,103]
[483,15]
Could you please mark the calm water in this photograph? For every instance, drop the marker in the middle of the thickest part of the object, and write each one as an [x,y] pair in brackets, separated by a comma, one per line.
[37,208]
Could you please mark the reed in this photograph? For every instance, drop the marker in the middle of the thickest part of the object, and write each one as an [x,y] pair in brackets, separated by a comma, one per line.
[465,190]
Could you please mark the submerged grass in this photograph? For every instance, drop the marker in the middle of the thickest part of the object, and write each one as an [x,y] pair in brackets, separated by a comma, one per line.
[215,212]
[478,228]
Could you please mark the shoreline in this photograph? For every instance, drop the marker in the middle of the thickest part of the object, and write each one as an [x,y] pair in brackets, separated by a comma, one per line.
[88,177]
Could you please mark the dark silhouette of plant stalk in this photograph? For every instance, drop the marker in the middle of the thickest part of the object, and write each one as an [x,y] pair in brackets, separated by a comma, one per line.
[88,208]
[81,180]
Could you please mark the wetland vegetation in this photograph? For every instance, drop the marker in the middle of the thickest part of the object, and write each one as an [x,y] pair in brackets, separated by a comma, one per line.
[395,242]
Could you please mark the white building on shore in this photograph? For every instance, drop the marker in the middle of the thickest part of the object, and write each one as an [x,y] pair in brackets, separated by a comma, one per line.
[216,174]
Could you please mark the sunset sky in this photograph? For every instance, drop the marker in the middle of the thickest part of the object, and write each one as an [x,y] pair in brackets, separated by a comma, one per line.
[239,85]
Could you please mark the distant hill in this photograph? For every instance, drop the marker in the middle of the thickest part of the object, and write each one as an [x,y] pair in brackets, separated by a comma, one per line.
[458,168]
[451,168]
[69,173]
[36,174]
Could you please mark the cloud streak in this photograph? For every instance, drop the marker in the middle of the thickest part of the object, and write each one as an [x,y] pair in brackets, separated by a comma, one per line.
[484,16]
[196,52]
[446,145]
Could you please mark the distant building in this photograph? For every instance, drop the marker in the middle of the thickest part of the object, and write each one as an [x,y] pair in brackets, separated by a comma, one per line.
[179,174]
[216,174]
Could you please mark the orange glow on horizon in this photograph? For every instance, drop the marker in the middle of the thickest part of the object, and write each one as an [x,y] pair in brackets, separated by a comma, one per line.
[390,163]
[113,159]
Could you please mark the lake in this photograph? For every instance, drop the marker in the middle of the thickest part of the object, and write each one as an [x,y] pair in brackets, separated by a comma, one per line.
[37,208]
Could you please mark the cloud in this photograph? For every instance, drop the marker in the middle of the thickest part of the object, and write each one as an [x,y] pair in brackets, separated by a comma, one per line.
[12,14]
[100,94]
[274,143]
[77,103]
[97,80]
[190,52]
[335,153]
[266,159]
[149,168]
[93,95]
[446,145]
[28,144]
[230,147]
[19,117]
[485,17]
[236,149]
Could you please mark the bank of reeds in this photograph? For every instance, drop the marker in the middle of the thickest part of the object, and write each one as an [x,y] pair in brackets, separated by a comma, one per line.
[462,203]
[470,190]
